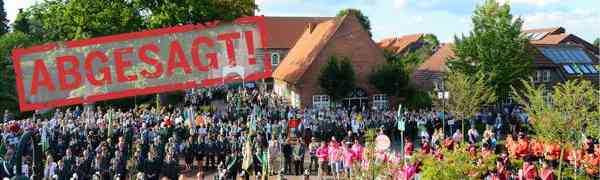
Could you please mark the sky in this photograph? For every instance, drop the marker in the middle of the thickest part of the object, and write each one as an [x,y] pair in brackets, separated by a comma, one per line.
[444,18]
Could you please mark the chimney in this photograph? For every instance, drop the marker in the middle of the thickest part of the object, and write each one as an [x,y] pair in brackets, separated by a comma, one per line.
[311,27]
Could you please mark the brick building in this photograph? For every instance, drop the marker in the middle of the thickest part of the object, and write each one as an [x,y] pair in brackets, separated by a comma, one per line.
[283,32]
[297,76]
[558,56]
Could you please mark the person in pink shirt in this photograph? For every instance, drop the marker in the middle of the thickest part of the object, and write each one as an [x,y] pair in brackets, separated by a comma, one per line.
[334,157]
[409,171]
[381,156]
[357,149]
[396,172]
[348,159]
[322,153]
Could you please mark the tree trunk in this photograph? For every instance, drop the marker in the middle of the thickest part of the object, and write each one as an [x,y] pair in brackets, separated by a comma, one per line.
[560,161]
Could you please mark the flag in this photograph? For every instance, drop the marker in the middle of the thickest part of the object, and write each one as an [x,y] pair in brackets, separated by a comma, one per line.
[191,117]
[252,123]
[399,113]
[109,122]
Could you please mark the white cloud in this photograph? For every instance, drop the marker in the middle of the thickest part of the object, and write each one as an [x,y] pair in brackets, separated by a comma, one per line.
[582,22]
[399,3]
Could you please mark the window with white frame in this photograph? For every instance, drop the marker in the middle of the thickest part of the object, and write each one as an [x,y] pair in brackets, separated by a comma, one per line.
[380,101]
[546,76]
[320,101]
[537,77]
[275,58]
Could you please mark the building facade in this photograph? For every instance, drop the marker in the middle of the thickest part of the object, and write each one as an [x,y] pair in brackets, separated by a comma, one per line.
[296,78]
[558,57]
[283,32]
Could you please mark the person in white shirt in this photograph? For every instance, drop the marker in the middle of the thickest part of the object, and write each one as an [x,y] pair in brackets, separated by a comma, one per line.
[473,135]
[49,168]
[458,136]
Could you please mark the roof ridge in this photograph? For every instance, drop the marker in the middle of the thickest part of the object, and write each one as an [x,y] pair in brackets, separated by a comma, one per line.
[324,41]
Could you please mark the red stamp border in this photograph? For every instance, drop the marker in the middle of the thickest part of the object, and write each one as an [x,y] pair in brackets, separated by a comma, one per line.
[17,53]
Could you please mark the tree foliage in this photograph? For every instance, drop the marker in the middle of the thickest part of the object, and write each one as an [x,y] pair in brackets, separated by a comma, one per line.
[431,44]
[363,19]
[572,110]
[80,19]
[456,164]
[412,60]
[160,13]
[390,78]
[8,93]
[337,78]
[564,116]
[495,46]
[597,42]
[376,169]
[468,94]
[21,22]
[418,100]
[3,20]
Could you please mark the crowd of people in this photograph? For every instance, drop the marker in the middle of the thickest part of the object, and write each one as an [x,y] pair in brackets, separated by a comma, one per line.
[256,133]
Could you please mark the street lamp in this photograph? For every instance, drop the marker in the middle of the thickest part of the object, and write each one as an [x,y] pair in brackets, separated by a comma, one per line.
[443,95]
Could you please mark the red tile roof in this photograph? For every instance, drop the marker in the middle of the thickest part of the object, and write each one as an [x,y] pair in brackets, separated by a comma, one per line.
[306,50]
[283,32]
[550,39]
[399,44]
[437,61]
[551,30]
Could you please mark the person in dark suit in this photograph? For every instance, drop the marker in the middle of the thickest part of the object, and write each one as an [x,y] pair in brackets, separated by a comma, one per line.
[286,149]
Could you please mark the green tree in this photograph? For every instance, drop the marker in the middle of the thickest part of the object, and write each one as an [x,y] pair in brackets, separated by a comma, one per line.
[597,42]
[456,164]
[565,116]
[468,94]
[376,169]
[3,21]
[431,44]
[363,19]
[337,78]
[21,22]
[9,41]
[160,13]
[495,46]
[389,78]
[80,19]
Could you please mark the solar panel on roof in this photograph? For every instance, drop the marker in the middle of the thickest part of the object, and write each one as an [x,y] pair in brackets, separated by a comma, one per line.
[568,68]
[584,69]
[561,55]
[591,68]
